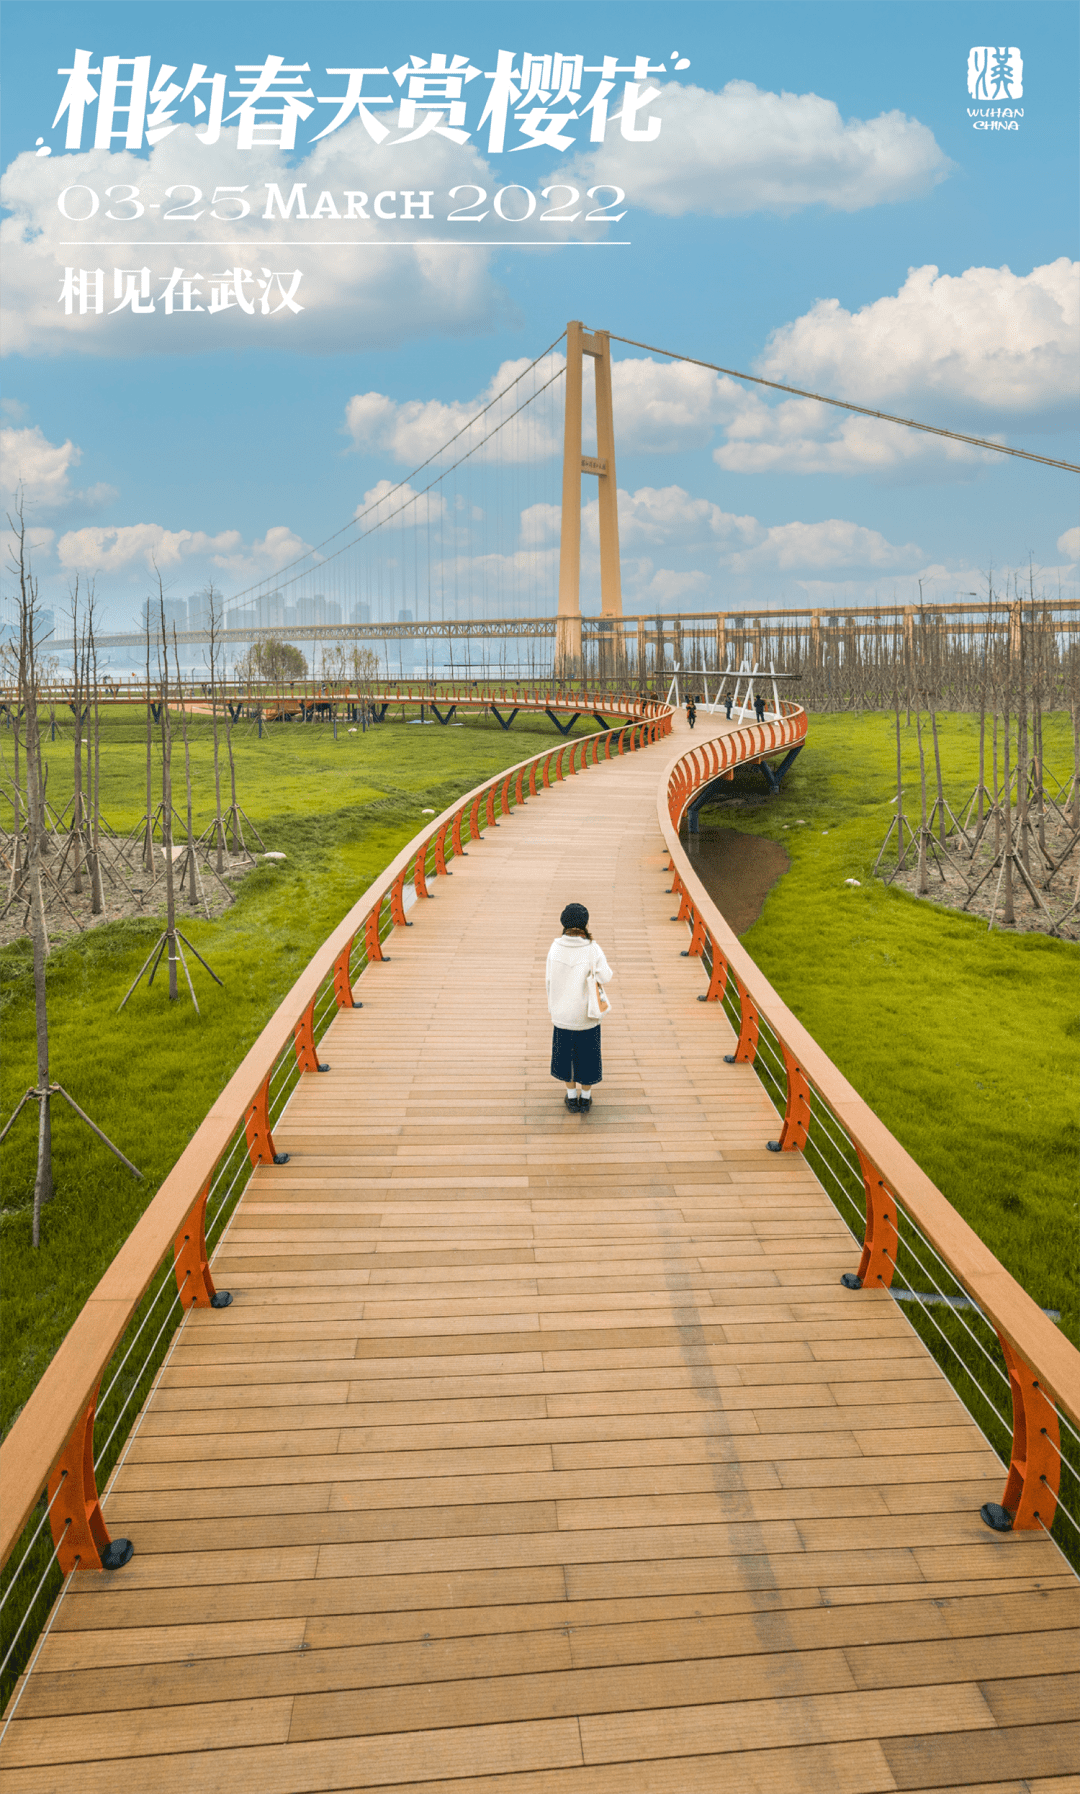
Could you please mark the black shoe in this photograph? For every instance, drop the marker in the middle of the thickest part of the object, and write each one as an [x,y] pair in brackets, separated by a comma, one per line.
[572,1104]
[584,1104]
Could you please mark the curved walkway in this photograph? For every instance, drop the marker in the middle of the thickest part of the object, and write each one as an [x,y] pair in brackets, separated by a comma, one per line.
[540,1452]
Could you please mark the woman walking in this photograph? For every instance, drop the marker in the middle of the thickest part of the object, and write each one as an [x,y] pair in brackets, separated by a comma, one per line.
[574,962]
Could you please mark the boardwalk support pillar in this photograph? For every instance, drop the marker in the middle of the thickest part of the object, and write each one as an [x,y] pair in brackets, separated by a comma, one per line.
[774,776]
[1031,1491]
[78,1525]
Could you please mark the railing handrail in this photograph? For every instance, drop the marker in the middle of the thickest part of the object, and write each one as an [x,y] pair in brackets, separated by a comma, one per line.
[37,1438]
[1013,1313]
[528,693]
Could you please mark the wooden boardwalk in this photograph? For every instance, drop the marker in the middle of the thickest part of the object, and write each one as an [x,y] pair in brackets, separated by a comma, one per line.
[544,1454]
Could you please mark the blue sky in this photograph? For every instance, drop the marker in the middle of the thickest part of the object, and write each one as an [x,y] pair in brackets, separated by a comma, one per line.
[755,207]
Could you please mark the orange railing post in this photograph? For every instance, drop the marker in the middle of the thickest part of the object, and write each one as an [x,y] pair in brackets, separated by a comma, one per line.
[878,1262]
[718,976]
[260,1140]
[697,936]
[372,943]
[191,1262]
[458,846]
[489,813]
[1031,1490]
[78,1525]
[504,795]
[343,996]
[397,902]
[440,853]
[749,1024]
[474,818]
[419,873]
[307,1053]
[796,1126]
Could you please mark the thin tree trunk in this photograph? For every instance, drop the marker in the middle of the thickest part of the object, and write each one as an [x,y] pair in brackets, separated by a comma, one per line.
[148,838]
[899,787]
[937,762]
[93,772]
[167,805]
[923,882]
[219,830]
[1009,911]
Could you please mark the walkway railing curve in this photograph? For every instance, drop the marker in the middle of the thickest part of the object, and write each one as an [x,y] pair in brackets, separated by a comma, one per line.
[1012,1366]
[71,1431]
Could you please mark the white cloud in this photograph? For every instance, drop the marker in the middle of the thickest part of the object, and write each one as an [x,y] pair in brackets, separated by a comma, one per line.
[414,429]
[38,466]
[707,545]
[385,286]
[661,515]
[991,342]
[747,150]
[801,436]
[110,550]
[1069,545]
[39,469]
[791,547]
[408,506]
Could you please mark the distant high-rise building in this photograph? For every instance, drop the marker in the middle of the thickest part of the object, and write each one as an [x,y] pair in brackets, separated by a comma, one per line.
[361,613]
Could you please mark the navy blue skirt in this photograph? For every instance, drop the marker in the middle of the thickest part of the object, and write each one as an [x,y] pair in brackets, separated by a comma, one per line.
[575,1055]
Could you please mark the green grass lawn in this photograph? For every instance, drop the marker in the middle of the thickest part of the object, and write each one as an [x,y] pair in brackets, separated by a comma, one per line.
[339,811]
[964,1042]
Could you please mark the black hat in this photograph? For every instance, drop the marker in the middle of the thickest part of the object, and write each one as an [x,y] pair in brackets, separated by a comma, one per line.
[575,915]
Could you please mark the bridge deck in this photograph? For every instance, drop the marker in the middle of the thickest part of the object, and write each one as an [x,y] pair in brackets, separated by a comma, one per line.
[541,1452]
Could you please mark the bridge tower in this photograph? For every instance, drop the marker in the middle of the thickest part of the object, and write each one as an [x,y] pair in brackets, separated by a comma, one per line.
[568,662]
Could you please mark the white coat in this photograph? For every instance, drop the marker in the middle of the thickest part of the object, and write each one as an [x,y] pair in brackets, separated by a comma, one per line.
[570,960]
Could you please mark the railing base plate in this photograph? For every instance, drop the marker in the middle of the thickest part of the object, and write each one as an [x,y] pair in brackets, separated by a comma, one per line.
[281,1158]
[851,1281]
[221,1298]
[117,1553]
[998,1518]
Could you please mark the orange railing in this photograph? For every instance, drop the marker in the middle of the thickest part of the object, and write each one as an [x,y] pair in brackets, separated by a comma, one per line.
[532,695]
[912,1235]
[51,1445]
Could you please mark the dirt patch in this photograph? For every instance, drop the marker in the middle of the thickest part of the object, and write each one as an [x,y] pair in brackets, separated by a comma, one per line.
[129,888]
[961,879]
[737,870]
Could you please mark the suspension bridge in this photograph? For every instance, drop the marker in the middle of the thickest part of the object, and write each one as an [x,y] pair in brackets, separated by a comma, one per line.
[499,1448]
[471,563]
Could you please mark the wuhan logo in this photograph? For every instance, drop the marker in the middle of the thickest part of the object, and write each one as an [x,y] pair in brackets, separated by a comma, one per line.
[995,76]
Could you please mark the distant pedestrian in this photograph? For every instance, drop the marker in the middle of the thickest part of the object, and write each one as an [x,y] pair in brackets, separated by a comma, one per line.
[727,705]
[759,708]
[575,975]
[691,712]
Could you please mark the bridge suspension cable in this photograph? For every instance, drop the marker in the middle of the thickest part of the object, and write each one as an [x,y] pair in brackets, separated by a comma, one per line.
[381,510]
[909,423]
